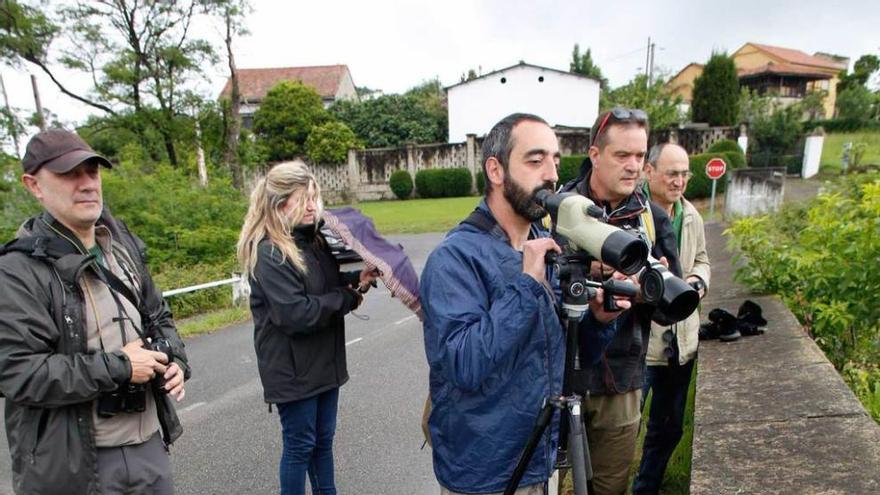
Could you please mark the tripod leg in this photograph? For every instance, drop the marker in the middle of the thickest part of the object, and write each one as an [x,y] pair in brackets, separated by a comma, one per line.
[525,457]
[578,450]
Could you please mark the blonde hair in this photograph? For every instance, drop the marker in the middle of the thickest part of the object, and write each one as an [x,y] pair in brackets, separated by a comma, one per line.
[266,220]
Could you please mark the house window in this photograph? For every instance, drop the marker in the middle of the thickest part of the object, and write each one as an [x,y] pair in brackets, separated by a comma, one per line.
[540,78]
[503,80]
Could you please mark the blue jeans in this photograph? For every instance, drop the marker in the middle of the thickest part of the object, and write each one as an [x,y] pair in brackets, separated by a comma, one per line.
[307,430]
[670,385]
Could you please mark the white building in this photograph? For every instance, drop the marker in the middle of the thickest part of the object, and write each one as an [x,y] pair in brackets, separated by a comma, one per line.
[561,98]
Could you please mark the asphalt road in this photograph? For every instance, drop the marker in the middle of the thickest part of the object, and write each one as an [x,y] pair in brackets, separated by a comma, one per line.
[232,444]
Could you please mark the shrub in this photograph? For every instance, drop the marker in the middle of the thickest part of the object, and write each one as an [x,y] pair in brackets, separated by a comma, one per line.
[481,183]
[724,145]
[569,167]
[330,142]
[444,182]
[821,259]
[700,185]
[401,184]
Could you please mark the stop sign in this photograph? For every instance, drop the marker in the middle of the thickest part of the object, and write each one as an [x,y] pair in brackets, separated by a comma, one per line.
[716,168]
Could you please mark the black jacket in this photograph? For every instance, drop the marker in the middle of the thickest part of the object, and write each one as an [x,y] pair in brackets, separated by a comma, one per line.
[621,368]
[47,374]
[299,327]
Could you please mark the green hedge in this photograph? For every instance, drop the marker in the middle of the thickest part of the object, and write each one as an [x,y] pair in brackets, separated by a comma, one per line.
[443,183]
[401,184]
[725,145]
[569,167]
[481,183]
[842,125]
[700,186]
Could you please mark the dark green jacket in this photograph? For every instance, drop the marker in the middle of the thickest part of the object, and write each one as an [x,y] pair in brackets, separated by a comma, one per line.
[48,376]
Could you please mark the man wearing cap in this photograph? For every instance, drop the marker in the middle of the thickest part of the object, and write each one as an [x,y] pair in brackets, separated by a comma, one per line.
[88,406]
[612,387]
[672,350]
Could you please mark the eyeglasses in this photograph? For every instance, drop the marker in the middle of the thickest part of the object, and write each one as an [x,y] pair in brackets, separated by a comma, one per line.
[681,174]
[620,114]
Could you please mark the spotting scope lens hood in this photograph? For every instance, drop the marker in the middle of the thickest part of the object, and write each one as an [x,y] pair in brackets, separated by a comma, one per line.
[572,216]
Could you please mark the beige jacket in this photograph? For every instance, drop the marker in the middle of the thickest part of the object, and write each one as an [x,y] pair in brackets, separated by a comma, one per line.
[694,261]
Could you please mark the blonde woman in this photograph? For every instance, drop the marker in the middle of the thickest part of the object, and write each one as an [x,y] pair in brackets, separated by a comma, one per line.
[298,300]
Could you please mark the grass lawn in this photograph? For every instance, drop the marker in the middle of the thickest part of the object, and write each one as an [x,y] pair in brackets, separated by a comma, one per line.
[832,149]
[415,216]
[212,320]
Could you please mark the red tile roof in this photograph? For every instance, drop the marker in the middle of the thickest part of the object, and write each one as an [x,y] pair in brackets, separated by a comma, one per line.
[255,83]
[783,70]
[800,58]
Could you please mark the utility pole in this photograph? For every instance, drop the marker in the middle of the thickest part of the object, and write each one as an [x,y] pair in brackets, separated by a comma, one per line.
[41,119]
[647,63]
[13,127]
[651,65]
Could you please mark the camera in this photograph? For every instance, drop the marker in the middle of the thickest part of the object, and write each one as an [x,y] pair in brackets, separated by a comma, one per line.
[673,298]
[161,345]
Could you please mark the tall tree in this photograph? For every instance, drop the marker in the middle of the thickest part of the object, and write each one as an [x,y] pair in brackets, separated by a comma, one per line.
[583,64]
[232,14]
[865,67]
[716,92]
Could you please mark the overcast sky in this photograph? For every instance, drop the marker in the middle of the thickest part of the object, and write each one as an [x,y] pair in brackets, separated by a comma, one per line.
[393,45]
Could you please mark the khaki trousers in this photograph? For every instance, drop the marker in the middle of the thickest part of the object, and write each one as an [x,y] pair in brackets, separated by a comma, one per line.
[612,423]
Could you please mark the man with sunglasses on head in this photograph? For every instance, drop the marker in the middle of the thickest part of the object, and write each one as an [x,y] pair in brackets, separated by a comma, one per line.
[672,350]
[612,387]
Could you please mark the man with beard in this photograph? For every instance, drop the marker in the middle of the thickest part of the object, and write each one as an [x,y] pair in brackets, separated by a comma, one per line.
[494,342]
[612,386]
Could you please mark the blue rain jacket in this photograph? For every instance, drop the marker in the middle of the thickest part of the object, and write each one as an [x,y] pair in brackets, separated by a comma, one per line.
[496,350]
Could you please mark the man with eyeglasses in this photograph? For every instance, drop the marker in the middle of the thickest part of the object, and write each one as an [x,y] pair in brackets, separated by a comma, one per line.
[672,350]
[612,387]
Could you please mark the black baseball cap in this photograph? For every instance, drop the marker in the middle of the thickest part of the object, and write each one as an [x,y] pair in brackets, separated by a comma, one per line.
[59,151]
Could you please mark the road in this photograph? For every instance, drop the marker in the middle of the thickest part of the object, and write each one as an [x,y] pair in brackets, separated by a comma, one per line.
[232,444]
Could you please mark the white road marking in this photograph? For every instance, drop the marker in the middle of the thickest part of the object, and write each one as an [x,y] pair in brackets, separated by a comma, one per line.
[190,408]
[355,341]
[398,322]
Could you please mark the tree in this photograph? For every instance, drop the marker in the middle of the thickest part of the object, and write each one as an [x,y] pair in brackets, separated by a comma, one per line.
[418,116]
[139,55]
[285,118]
[330,142]
[232,14]
[656,100]
[716,92]
[855,103]
[863,69]
[583,64]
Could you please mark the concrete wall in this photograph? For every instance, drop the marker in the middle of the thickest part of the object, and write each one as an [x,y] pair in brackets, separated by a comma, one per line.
[752,191]
[560,98]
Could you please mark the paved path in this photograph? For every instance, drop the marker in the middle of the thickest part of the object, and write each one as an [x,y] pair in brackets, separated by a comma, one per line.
[772,414]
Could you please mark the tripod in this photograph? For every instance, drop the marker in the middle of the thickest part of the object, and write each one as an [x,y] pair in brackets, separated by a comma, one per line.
[576,294]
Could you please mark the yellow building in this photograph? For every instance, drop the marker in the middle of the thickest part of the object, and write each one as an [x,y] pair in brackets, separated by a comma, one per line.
[784,73]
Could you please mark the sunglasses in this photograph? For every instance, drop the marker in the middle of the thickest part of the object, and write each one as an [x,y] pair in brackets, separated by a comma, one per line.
[620,114]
